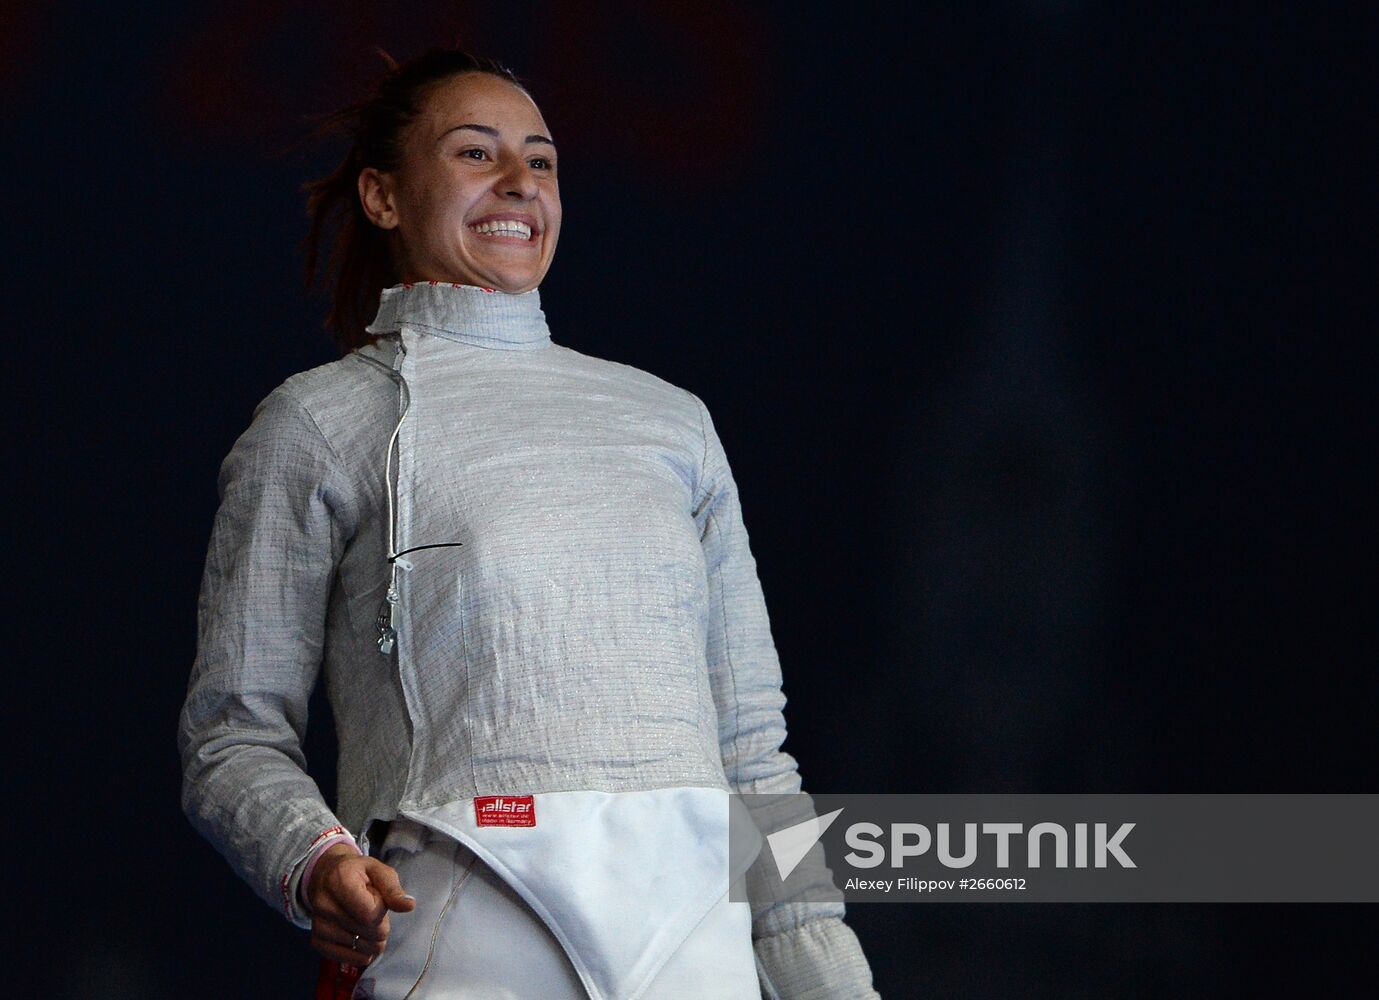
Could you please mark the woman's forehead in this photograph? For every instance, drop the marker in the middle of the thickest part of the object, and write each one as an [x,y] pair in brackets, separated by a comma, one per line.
[481,99]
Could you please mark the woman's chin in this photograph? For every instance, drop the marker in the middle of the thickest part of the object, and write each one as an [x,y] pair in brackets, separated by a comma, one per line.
[514,284]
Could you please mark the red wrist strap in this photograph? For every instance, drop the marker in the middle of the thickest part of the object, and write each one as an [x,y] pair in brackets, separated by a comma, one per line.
[337,980]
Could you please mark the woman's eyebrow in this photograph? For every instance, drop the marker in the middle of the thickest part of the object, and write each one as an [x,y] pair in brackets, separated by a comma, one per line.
[489,130]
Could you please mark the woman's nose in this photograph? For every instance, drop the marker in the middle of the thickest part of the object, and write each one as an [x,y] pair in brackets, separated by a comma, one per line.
[519,181]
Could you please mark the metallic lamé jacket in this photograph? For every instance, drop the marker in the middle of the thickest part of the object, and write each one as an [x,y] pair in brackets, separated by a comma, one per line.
[577,618]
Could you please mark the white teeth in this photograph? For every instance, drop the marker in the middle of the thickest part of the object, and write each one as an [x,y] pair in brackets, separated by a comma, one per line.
[504,227]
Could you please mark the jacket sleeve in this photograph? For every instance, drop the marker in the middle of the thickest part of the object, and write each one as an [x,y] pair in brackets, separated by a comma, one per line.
[804,949]
[284,517]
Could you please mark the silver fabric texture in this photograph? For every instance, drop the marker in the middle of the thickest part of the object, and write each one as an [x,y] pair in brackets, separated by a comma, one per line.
[599,626]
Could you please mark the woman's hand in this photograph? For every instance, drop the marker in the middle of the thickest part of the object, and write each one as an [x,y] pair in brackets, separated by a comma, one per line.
[351,894]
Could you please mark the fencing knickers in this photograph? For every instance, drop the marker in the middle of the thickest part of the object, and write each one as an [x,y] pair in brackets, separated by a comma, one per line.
[472,937]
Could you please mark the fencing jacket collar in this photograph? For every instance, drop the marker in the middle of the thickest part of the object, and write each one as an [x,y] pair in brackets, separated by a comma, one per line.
[467,314]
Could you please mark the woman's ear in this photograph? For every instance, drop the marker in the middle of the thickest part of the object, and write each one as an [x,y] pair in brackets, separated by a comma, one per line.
[376,195]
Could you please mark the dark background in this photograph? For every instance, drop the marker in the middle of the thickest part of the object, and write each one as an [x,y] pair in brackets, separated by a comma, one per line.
[1037,335]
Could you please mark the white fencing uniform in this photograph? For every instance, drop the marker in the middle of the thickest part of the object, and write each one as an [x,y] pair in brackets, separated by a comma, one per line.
[525,574]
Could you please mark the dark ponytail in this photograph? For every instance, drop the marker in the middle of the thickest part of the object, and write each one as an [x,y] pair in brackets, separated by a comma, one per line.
[360,264]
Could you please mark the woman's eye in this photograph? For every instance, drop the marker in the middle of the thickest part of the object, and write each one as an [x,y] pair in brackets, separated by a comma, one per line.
[540,162]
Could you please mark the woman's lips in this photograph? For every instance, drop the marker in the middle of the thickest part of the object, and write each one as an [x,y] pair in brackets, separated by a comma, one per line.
[507,226]
[505,238]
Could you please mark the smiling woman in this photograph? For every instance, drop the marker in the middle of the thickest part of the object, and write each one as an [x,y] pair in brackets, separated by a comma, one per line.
[476,202]
[526,575]
[405,202]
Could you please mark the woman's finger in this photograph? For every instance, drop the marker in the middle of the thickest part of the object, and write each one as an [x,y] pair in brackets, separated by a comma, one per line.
[353,893]
[341,905]
[337,935]
[385,881]
[342,926]
[339,953]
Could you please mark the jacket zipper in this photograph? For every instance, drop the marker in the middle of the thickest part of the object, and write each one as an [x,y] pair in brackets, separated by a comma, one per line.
[386,621]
